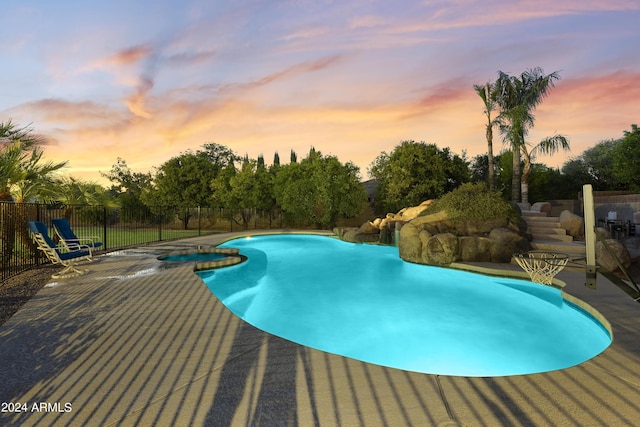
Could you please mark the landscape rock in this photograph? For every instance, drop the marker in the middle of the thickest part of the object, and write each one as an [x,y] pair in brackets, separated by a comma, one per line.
[407,214]
[574,224]
[369,228]
[505,243]
[435,239]
[442,249]
[603,232]
[354,235]
[606,262]
[475,248]
[541,207]
[410,246]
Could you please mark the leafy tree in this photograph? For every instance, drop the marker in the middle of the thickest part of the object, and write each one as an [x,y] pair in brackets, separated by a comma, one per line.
[24,176]
[414,172]
[184,181]
[517,98]
[626,159]
[127,188]
[594,166]
[319,190]
[550,184]
[479,168]
[488,95]
[246,189]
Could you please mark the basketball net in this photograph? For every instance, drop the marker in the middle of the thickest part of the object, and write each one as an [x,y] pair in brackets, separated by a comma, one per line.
[542,266]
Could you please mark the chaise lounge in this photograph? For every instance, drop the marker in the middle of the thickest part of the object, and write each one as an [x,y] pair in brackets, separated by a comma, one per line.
[68,258]
[69,239]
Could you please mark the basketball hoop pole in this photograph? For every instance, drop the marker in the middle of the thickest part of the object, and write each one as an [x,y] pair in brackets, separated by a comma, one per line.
[589,235]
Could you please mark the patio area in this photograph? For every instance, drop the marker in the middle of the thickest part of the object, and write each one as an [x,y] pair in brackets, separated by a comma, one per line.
[138,342]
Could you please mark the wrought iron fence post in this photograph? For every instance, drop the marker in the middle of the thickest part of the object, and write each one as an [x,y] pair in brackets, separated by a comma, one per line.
[104,227]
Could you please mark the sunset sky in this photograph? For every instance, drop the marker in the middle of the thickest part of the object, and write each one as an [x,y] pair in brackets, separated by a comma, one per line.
[147,80]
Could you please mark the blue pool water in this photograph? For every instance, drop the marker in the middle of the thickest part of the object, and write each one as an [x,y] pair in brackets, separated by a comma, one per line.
[364,302]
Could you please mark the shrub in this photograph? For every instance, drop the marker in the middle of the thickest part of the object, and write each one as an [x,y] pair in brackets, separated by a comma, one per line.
[473,201]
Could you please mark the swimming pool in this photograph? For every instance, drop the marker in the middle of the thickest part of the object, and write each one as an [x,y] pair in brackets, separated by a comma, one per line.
[364,302]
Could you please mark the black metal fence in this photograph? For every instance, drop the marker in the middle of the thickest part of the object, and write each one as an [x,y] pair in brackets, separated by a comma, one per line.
[117,227]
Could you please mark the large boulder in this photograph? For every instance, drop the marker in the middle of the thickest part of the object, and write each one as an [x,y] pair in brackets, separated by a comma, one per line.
[573,223]
[441,249]
[408,214]
[410,246]
[544,207]
[605,233]
[506,243]
[607,262]
[475,248]
[369,228]
[354,235]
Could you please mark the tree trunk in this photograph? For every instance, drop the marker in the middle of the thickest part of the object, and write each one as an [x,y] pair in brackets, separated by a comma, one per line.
[491,167]
[515,179]
[525,175]
[490,155]
[525,191]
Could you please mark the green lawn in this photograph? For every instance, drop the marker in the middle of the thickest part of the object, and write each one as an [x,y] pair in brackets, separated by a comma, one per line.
[119,237]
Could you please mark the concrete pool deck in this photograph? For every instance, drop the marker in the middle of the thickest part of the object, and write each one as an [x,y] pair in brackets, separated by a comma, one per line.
[136,342]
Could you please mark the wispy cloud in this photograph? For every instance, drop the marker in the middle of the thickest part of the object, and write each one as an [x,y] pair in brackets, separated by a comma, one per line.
[352,78]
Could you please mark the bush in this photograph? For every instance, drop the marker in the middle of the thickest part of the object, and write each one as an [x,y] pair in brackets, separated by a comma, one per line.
[473,201]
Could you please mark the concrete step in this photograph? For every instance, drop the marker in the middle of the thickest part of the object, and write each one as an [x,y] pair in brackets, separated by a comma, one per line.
[542,219]
[569,248]
[552,237]
[533,213]
[539,224]
[546,230]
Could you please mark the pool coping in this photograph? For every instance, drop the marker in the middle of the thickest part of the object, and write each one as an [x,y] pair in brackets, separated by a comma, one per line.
[131,344]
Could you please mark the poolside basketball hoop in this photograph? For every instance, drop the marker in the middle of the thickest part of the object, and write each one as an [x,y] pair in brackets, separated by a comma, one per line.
[542,266]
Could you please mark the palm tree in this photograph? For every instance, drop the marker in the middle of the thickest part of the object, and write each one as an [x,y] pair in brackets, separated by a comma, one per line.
[22,173]
[487,93]
[35,180]
[22,177]
[548,146]
[517,98]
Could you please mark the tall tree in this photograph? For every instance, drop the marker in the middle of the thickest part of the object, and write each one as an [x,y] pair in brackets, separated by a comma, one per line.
[594,166]
[244,190]
[626,159]
[415,172]
[127,188]
[184,181]
[518,96]
[487,94]
[319,190]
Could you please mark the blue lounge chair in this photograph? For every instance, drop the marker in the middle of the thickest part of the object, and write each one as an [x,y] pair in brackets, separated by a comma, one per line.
[69,239]
[57,255]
